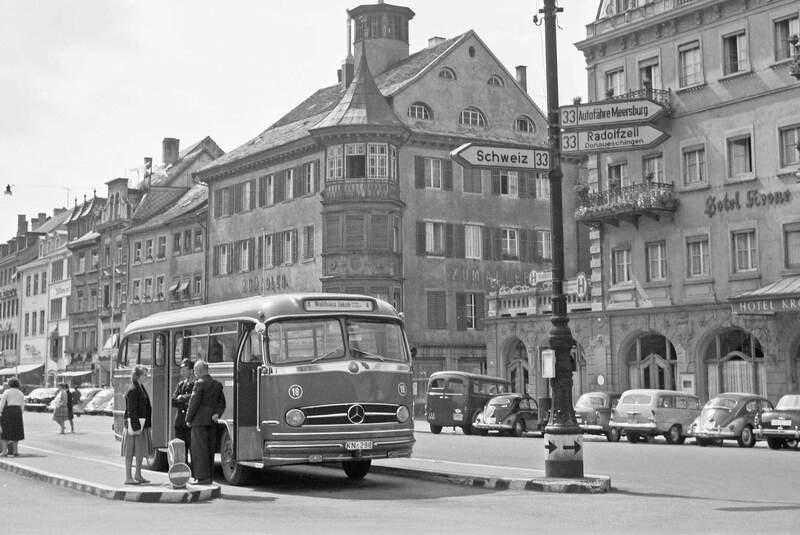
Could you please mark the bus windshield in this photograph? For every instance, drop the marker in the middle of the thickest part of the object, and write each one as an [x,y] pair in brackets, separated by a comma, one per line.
[312,340]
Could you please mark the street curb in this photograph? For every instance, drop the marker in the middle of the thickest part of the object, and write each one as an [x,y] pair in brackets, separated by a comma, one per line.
[208,492]
[585,485]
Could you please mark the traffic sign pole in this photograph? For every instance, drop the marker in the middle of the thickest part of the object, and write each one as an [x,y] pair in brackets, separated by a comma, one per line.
[561,429]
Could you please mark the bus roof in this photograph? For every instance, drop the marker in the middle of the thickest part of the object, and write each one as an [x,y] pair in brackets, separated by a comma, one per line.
[258,308]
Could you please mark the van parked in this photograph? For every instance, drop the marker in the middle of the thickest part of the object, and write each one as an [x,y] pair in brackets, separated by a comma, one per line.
[456,398]
[646,413]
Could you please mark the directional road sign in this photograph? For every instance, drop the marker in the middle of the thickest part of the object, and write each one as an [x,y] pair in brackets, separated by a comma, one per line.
[611,112]
[612,139]
[473,155]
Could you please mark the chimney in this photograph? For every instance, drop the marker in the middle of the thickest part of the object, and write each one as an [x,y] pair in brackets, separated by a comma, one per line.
[170,150]
[22,225]
[338,76]
[522,77]
[57,211]
[348,72]
[435,41]
[42,217]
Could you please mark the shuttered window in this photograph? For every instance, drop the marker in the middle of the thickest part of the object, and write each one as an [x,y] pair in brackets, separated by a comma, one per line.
[437,310]
[354,231]
[379,232]
[333,232]
[469,311]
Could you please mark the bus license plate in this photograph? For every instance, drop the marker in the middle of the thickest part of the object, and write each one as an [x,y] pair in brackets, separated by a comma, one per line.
[458,417]
[352,445]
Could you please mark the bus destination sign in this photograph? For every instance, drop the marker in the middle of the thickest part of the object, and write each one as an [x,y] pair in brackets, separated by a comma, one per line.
[338,305]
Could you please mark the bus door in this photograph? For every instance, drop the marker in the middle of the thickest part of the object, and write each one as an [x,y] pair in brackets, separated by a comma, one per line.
[159,393]
[246,393]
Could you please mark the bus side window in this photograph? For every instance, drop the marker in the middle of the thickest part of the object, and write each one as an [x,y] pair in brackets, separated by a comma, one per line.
[122,359]
[177,351]
[222,344]
[251,351]
[146,350]
[160,351]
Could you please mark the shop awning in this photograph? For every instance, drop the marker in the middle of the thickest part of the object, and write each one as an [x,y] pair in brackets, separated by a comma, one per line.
[183,286]
[73,374]
[782,295]
[22,368]
[111,343]
[173,287]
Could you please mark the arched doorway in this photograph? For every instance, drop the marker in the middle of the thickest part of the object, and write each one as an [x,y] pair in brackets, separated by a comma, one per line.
[651,362]
[735,363]
[517,367]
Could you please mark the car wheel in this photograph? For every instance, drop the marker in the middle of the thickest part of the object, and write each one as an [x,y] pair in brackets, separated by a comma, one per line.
[519,428]
[467,428]
[747,439]
[703,442]
[791,443]
[234,473]
[436,429]
[775,443]
[673,436]
[356,469]
[157,461]
[633,438]
[612,435]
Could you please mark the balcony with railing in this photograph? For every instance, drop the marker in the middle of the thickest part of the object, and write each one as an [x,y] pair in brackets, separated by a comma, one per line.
[361,189]
[627,203]
[660,96]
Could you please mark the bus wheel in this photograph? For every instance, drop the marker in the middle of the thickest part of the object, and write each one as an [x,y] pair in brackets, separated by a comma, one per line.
[356,469]
[157,461]
[436,429]
[234,473]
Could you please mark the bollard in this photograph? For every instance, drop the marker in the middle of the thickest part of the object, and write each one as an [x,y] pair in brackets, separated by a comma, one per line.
[179,472]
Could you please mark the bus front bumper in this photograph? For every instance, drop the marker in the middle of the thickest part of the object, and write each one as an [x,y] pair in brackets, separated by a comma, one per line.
[277,453]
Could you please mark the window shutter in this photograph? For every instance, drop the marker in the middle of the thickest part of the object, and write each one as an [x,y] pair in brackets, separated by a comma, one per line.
[238,190]
[525,245]
[437,311]
[479,311]
[421,238]
[297,183]
[537,247]
[260,252]
[460,241]
[522,179]
[217,203]
[449,240]
[237,250]
[251,254]
[252,194]
[486,243]
[378,232]
[495,181]
[277,249]
[333,233]
[215,266]
[294,246]
[279,184]
[419,172]
[229,263]
[461,305]
[316,175]
[447,171]
[262,191]
[354,231]
[497,243]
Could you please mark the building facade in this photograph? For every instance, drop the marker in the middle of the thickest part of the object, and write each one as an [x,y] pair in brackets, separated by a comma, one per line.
[355,191]
[694,242]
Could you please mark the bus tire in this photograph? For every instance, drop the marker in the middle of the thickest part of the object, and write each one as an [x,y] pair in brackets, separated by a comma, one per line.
[157,461]
[436,429]
[356,469]
[234,473]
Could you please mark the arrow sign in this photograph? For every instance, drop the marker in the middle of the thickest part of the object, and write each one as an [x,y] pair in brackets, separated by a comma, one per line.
[576,447]
[612,139]
[612,112]
[550,447]
[472,155]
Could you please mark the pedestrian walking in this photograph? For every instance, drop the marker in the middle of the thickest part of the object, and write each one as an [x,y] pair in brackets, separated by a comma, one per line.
[12,404]
[136,440]
[73,398]
[206,405]
[61,412]
[180,400]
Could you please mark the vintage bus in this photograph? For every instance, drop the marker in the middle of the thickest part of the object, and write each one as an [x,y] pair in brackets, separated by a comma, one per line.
[308,378]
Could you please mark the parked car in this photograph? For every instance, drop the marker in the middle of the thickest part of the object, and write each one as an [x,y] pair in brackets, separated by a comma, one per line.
[729,416]
[454,398]
[97,403]
[651,412]
[87,393]
[40,398]
[781,425]
[593,414]
[108,407]
[512,414]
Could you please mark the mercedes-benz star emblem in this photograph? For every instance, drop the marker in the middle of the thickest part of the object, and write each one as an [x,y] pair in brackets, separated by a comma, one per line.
[355,414]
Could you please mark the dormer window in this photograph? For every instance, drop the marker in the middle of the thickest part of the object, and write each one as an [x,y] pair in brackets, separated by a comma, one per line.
[495,81]
[419,110]
[523,123]
[472,117]
[447,73]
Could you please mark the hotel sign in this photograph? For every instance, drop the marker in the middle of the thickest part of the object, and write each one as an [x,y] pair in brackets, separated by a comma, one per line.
[766,307]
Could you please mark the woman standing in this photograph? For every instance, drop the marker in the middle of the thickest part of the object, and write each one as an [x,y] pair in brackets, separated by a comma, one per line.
[61,413]
[136,441]
[12,404]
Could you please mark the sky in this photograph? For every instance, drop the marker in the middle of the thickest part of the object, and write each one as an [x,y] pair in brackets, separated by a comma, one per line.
[88,88]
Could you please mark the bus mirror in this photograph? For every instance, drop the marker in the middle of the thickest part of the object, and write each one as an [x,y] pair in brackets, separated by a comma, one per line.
[402,316]
[261,328]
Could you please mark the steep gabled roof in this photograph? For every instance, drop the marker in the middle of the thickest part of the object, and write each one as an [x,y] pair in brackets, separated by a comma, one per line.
[191,200]
[185,159]
[54,222]
[156,200]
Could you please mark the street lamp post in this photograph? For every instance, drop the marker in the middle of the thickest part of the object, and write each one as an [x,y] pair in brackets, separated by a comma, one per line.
[563,439]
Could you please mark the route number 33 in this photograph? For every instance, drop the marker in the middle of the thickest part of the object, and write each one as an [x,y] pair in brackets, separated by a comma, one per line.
[569,117]
[541,159]
[569,141]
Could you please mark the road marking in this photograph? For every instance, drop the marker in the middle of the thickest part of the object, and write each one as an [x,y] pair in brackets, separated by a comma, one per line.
[437,461]
[93,459]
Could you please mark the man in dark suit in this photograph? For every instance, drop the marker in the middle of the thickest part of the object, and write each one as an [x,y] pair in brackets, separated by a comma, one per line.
[180,400]
[206,405]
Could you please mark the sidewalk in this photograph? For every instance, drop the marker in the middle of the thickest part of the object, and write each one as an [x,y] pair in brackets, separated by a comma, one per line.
[100,477]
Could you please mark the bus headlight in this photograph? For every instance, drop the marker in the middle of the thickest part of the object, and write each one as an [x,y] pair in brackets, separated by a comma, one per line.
[402,414]
[295,417]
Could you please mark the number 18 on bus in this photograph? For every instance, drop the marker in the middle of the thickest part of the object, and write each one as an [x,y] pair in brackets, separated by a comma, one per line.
[308,378]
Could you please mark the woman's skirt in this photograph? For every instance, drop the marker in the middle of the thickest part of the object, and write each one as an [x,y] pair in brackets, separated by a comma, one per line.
[11,423]
[60,414]
[136,444]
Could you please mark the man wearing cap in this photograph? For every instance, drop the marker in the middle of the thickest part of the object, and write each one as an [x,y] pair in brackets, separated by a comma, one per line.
[180,400]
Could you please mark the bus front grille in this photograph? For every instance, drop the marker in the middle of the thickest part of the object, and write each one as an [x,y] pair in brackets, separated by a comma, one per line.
[350,413]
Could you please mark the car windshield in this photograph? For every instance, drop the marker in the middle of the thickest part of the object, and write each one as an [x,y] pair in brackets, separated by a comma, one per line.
[636,399]
[591,401]
[789,403]
[502,401]
[721,403]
